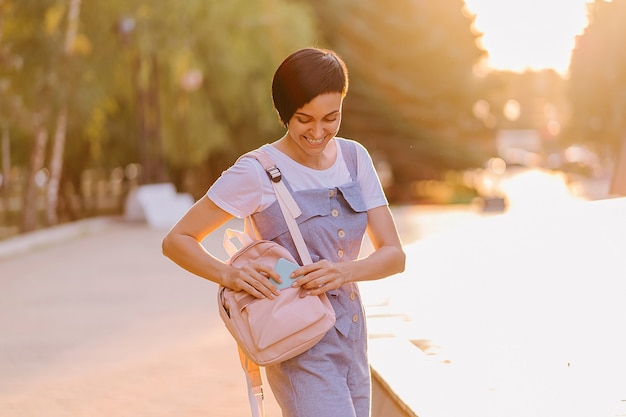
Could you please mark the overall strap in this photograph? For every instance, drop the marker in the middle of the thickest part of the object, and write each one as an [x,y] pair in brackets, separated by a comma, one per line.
[349,152]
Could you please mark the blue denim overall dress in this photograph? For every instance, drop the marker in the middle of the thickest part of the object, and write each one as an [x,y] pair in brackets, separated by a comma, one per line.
[331,379]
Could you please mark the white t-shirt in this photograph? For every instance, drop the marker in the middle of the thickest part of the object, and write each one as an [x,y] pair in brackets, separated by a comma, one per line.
[243,189]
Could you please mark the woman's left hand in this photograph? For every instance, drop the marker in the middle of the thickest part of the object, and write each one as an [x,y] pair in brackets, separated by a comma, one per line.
[320,277]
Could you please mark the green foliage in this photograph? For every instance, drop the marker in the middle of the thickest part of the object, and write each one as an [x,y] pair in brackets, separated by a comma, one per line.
[42,76]
[412,85]
[235,47]
[190,81]
[598,79]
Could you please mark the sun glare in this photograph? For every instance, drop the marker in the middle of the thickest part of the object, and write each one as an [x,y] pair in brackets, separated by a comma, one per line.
[529,34]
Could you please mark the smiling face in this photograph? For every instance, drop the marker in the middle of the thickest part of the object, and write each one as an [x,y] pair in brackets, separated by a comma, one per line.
[312,127]
[304,75]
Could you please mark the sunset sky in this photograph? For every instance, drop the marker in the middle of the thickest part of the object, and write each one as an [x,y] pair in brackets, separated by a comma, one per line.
[529,34]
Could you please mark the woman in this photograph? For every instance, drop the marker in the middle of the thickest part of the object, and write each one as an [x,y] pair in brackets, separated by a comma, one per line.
[334,182]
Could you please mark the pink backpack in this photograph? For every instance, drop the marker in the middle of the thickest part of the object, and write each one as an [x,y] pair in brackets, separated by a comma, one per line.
[271,331]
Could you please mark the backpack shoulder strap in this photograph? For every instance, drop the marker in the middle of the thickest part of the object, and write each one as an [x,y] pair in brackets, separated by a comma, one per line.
[288,205]
[275,176]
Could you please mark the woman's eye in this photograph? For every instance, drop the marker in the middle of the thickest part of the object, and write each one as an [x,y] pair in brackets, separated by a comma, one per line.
[327,120]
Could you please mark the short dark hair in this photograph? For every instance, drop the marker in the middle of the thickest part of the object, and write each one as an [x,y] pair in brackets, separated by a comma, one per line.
[304,75]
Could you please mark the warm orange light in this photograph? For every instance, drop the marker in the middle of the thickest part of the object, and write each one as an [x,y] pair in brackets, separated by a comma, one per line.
[529,34]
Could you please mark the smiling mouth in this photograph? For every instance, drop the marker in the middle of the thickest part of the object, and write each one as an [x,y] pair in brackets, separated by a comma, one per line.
[313,141]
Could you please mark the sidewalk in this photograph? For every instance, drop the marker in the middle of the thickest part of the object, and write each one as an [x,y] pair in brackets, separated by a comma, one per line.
[96,322]
[522,313]
[102,324]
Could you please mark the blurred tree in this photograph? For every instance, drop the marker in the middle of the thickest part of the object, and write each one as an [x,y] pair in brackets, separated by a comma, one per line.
[598,79]
[412,82]
[51,93]
[29,44]
[60,132]
[184,87]
[146,82]
[197,77]
[217,81]
[6,62]
[52,87]
[538,97]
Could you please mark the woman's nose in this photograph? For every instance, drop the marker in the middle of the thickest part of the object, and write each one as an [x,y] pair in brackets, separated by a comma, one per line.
[318,130]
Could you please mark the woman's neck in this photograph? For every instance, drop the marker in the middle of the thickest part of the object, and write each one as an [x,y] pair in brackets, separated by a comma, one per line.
[320,161]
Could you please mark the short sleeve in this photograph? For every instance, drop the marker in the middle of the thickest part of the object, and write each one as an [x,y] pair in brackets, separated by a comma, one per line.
[371,188]
[242,189]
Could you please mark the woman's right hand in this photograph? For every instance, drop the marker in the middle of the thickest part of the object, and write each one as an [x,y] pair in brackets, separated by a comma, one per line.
[253,278]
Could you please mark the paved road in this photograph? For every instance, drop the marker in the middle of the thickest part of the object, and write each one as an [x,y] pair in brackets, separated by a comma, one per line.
[103,325]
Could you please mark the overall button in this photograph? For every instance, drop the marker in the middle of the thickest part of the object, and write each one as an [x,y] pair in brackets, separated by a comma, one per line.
[331,193]
[334,212]
[352,296]
[340,253]
[355,318]
[341,233]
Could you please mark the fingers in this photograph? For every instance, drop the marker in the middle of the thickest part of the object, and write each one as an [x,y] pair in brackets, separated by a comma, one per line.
[312,279]
[255,281]
[318,278]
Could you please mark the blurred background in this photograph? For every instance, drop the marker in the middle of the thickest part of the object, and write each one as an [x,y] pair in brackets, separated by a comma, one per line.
[98,98]
[469,109]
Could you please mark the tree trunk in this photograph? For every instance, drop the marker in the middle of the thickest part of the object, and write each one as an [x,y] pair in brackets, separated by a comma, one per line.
[37,156]
[140,110]
[73,15]
[58,148]
[149,144]
[56,168]
[6,174]
[158,160]
[6,156]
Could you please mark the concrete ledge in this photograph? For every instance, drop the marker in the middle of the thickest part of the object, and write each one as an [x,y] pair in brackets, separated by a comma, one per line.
[157,204]
[397,367]
[38,239]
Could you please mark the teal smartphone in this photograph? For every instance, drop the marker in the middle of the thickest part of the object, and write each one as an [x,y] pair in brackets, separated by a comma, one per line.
[284,269]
